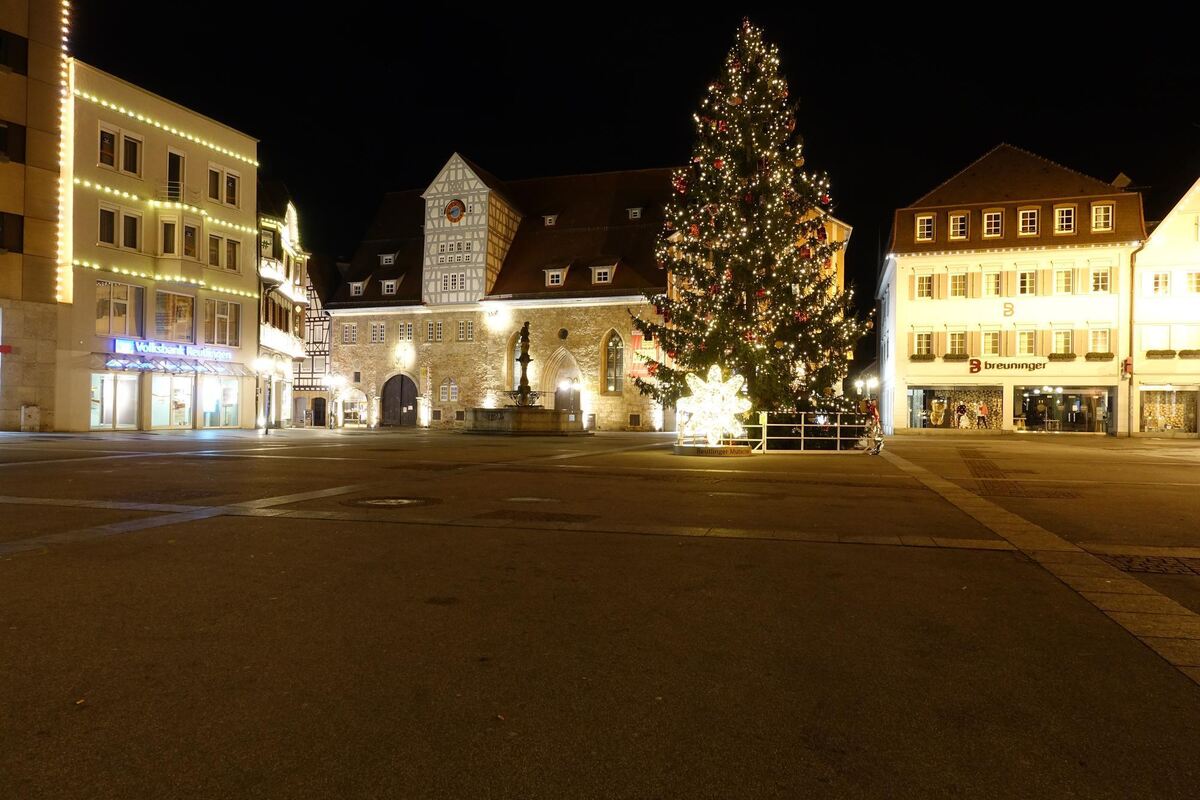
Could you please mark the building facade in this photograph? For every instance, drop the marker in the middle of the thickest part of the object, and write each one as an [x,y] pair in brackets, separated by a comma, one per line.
[1165,340]
[282,272]
[312,385]
[32,61]
[1005,301]
[424,319]
[159,290]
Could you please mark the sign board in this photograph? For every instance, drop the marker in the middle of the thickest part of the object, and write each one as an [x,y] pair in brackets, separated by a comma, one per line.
[1003,365]
[149,347]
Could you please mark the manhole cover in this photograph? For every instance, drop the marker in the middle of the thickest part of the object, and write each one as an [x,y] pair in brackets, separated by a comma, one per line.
[389,502]
[1162,565]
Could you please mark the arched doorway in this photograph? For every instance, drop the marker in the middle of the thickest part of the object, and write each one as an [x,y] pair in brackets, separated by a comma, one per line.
[354,408]
[563,380]
[399,401]
[318,412]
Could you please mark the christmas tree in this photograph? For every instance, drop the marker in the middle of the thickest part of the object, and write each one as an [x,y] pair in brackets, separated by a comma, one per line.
[750,280]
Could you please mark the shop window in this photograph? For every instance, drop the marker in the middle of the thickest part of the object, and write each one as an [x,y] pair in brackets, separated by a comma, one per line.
[114,400]
[1168,411]
[955,407]
[171,401]
[1059,409]
[219,402]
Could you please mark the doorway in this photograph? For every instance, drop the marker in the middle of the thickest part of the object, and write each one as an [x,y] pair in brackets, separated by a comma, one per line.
[175,175]
[399,402]
[318,412]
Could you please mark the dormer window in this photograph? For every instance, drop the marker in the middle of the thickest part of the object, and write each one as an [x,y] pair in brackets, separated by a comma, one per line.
[387,259]
[556,277]
[356,288]
[602,274]
[389,287]
[634,213]
[551,220]
[925,227]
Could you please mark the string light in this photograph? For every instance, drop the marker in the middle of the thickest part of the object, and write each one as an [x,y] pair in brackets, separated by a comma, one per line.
[161,277]
[63,285]
[112,192]
[143,118]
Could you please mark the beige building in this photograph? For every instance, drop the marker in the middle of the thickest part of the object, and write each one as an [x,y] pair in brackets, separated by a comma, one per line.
[159,294]
[32,60]
[424,319]
[282,271]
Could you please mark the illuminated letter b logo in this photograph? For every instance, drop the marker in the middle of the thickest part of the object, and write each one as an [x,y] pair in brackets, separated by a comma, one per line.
[975,365]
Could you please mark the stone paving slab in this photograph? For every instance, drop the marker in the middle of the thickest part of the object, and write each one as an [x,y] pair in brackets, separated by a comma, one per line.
[1171,626]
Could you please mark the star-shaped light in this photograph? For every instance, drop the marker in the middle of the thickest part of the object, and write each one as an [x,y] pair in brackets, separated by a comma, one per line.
[712,409]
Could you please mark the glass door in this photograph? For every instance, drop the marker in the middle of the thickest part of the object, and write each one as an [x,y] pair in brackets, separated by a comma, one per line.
[175,175]
[114,401]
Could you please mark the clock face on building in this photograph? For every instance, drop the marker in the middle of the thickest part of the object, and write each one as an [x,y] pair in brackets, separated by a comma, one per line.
[455,210]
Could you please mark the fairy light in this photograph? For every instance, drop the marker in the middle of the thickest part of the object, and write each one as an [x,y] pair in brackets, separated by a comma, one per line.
[148,120]
[168,204]
[63,275]
[161,277]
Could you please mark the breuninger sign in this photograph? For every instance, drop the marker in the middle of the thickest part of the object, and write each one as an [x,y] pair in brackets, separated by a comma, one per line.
[977,364]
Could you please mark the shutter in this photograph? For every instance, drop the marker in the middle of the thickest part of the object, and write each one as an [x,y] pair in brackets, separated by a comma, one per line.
[912,343]
[974,284]
[939,343]
[912,287]
[1113,345]
[1009,279]
[973,343]
[1045,341]
[1114,280]
[1081,281]
[1079,347]
[1045,279]
[1008,343]
[939,286]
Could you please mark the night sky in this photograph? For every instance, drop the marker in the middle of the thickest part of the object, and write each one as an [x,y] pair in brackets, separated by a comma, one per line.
[349,106]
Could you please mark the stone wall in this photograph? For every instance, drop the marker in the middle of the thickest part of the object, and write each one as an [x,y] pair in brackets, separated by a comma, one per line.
[481,368]
[27,373]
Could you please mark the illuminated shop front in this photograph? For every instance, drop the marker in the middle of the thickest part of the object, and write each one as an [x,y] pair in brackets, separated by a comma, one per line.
[1063,409]
[114,401]
[950,407]
[1169,409]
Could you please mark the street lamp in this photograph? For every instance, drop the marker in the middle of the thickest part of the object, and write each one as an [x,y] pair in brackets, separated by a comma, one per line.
[872,383]
[262,368]
[858,385]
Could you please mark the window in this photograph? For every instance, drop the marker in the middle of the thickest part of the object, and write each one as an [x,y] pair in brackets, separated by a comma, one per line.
[131,230]
[449,391]
[168,238]
[924,343]
[429,331]
[437,331]
[173,316]
[1098,341]
[350,333]
[266,243]
[462,280]
[232,186]
[602,275]
[993,224]
[1102,218]
[634,213]
[1062,342]
[214,184]
[1194,282]
[991,343]
[214,250]
[614,363]
[445,281]
[1028,222]
[1026,343]
[1160,283]
[958,285]
[410,331]
[924,227]
[470,330]
[356,289]
[1063,281]
[131,154]
[1027,282]
[957,343]
[108,148]
[924,286]
[551,220]
[958,226]
[191,235]
[1064,219]
[222,322]
[118,309]
[1100,280]
[462,330]
[554,277]
[991,284]
[389,287]
[387,259]
[378,333]
[108,226]
[233,252]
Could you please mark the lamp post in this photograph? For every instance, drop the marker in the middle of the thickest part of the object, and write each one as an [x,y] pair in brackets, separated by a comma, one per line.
[858,386]
[262,369]
[872,383]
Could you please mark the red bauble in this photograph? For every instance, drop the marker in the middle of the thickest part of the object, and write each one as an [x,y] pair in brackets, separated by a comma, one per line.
[652,368]
[801,316]
[722,126]
[694,231]
[718,163]
[670,353]
[761,293]
[825,199]
[821,233]
[805,252]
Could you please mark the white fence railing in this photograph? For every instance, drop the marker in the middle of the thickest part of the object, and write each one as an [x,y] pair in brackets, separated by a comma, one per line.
[809,431]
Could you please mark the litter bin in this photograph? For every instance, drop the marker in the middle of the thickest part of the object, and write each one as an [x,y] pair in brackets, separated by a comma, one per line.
[31,419]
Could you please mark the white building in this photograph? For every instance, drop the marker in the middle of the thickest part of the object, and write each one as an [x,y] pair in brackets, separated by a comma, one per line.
[1005,303]
[282,271]
[1166,323]
[158,280]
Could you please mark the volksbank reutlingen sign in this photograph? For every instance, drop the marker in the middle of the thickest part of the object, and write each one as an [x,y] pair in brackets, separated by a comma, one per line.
[148,347]
[977,364]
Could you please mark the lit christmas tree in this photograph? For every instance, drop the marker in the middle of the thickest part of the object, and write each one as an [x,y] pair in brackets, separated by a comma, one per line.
[751,285]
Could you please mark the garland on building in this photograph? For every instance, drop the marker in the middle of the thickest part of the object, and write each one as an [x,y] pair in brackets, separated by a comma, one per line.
[750,280]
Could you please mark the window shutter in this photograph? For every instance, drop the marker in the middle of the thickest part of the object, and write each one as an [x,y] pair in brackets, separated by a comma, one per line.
[939,342]
[912,343]
[912,287]
[1045,341]
[973,343]
[1010,283]
[1114,280]
[1079,345]
[1045,279]
[974,284]
[1009,343]
[939,283]
[1082,281]
[1113,345]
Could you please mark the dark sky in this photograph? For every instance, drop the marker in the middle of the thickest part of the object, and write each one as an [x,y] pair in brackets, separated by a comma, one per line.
[349,104]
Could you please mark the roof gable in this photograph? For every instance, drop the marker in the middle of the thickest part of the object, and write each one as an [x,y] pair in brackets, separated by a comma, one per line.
[1008,173]
[454,169]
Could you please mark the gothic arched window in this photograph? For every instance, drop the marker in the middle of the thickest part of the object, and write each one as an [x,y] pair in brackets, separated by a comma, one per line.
[614,363]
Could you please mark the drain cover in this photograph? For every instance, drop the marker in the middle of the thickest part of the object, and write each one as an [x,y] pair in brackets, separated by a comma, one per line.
[389,502]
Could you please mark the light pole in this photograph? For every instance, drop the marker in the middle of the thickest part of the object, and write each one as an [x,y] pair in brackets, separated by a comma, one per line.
[872,383]
[858,386]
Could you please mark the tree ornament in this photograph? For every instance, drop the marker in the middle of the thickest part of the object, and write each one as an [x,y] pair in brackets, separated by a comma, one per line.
[799,162]
[825,199]
[694,231]
[779,344]
[718,163]
[735,100]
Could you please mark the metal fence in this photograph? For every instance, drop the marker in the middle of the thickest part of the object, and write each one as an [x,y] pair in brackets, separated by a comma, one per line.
[789,433]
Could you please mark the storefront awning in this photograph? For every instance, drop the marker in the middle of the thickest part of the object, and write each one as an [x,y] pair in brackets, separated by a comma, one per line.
[168,364]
